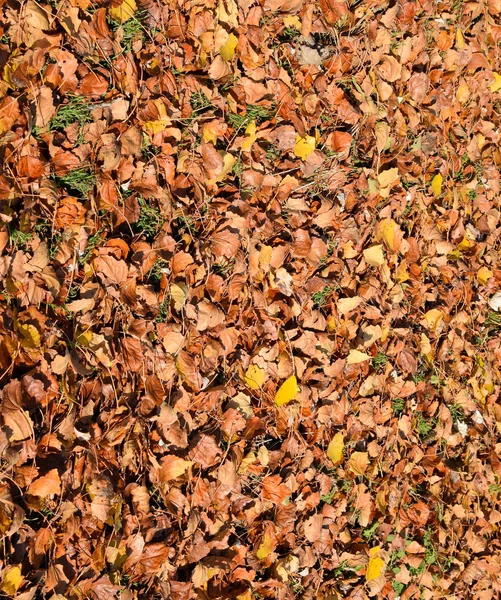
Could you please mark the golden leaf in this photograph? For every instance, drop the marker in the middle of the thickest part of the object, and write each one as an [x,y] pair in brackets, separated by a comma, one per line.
[387,178]
[11,580]
[374,256]
[228,161]
[375,567]
[304,146]
[287,391]
[484,274]
[358,463]
[433,318]
[30,337]
[335,448]
[124,12]
[250,136]
[265,548]
[254,377]
[496,84]
[292,21]
[173,467]
[355,357]
[227,50]
[387,231]
[436,185]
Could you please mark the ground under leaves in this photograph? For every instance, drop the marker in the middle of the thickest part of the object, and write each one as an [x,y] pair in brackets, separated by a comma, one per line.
[249,274]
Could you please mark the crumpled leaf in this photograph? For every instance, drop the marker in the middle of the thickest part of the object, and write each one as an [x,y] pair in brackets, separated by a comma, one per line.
[287,391]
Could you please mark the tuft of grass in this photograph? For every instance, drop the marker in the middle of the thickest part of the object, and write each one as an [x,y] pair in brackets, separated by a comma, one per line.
[199,101]
[19,239]
[254,112]
[398,405]
[79,180]
[76,111]
[223,267]
[150,220]
[379,361]
[424,426]
[92,243]
[154,275]
[320,298]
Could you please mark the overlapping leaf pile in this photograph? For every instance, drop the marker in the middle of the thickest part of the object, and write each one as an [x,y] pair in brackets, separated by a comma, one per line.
[249,274]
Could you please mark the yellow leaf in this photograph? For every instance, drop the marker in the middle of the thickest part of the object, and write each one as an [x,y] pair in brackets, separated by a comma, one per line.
[402,273]
[250,136]
[179,293]
[335,448]
[496,84]
[387,178]
[358,463]
[304,146]
[375,567]
[11,580]
[484,274]
[265,548]
[30,338]
[287,391]
[460,43]
[355,357]
[292,21]
[433,318]
[254,377]
[387,231]
[436,185]
[84,338]
[374,256]
[425,348]
[346,305]
[123,12]
[227,51]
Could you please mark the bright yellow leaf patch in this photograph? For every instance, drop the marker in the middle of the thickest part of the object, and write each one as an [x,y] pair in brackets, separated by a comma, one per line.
[335,448]
[304,146]
[287,391]
[124,12]
[254,377]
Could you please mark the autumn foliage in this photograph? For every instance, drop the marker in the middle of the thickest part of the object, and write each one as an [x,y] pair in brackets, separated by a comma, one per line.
[250,299]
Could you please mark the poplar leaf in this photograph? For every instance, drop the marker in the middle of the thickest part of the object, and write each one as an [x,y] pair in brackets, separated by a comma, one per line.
[250,136]
[387,230]
[11,580]
[304,146]
[436,185]
[335,448]
[227,50]
[376,565]
[387,178]
[265,548]
[30,338]
[124,12]
[287,391]
[484,274]
[374,256]
[346,305]
[254,377]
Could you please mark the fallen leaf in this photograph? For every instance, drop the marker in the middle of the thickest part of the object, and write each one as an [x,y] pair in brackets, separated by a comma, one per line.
[124,11]
[374,256]
[355,357]
[304,146]
[254,377]
[227,50]
[48,485]
[436,185]
[335,448]
[287,391]
[484,274]
[358,463]
[496,84]
[346,305]
[375,568]
[11,580]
